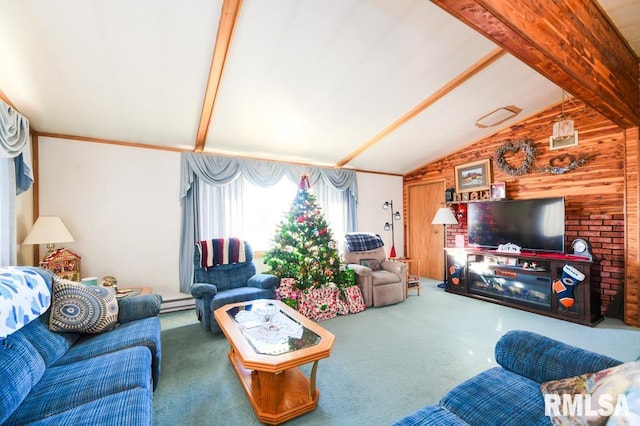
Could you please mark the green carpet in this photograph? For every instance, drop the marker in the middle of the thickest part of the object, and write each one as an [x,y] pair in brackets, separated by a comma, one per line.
[386,362]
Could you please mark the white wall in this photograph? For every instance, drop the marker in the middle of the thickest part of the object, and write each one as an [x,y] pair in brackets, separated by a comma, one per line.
[373,191]
[121,205]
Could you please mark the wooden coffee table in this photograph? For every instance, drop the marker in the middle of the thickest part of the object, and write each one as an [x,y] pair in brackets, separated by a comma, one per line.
[266,358]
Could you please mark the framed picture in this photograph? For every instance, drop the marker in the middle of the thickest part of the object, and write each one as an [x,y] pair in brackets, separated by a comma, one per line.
[498,190]
[558,143]
[474,176]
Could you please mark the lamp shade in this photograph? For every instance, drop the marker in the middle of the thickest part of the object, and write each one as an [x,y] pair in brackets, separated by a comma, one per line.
[444,216]
[48,230]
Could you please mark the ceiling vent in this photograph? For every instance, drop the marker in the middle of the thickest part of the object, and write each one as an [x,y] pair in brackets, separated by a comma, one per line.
[498,116]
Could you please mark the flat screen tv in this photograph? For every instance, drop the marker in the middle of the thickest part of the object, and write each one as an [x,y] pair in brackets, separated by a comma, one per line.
[534,225]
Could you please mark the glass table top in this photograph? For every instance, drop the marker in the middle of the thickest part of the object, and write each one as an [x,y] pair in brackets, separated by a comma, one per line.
[271,331]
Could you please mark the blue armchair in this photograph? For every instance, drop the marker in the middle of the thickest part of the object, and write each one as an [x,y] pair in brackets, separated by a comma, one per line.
[220,285]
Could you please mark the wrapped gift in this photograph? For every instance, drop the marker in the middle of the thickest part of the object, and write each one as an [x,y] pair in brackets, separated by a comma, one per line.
[354,299]
[319,303]
[287,286]
[343,307]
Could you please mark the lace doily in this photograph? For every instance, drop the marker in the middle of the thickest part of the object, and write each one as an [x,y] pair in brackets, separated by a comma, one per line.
[271,340]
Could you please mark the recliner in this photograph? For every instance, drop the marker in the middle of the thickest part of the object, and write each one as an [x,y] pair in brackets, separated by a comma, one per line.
[220,285]
[386,286]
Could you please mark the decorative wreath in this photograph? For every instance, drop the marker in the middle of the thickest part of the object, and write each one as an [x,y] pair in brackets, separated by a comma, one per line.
[514,147]
[565,163]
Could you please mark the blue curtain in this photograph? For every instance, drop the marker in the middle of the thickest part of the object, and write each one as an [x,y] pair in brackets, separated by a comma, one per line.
[216,170]
[16,176]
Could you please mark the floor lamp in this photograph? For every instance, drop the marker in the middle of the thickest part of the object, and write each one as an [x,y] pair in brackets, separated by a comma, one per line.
[388,205]
[444,216]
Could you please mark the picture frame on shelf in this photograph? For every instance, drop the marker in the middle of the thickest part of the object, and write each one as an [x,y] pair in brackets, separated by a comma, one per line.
[475,176]
[498,191]
[559,143]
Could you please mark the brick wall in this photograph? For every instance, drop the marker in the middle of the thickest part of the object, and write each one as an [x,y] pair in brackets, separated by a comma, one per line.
[605,234]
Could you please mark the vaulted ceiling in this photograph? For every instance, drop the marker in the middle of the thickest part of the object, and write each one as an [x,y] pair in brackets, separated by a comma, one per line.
[374,85]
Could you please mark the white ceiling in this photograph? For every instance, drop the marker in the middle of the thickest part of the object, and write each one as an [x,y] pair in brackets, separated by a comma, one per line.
[304,81]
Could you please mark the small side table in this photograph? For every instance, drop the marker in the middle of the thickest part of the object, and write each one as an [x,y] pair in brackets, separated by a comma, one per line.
[413,273]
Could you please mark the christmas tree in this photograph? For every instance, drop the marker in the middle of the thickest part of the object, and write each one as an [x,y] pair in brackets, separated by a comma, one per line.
[303,247]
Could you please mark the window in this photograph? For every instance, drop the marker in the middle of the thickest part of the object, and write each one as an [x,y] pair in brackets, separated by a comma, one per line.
[252,212]
[7,212]
[216,201]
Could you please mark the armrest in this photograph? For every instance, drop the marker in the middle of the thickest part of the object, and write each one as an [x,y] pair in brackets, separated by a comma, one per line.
[132,308]
[265,281]
[541,358]
[398,268]
[360,269]
[203,290]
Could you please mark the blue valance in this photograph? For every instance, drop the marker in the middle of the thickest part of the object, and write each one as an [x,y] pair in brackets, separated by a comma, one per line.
[217,170]
[14,143]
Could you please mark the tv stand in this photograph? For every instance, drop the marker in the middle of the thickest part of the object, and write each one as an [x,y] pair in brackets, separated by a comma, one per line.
[523,281]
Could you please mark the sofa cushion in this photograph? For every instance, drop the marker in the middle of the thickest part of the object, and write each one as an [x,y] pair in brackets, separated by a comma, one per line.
[542,359]
[24,296]
[80,308]
[21,367]
[65,387]
[131,407]
[500,395]
[143,333]
[384,277]
[431,415]
[51,346]
[136,307]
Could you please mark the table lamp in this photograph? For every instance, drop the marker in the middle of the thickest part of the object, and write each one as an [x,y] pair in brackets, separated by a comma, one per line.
[48,230]
[444,216]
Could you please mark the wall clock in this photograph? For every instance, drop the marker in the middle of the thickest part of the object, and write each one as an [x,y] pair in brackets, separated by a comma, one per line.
[581,248]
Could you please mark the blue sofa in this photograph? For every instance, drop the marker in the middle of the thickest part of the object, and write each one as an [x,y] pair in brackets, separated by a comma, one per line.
[49,378]
[230,283]
[510,394]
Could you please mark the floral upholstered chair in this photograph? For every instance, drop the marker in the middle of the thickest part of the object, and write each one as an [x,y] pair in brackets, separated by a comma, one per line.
[224,272]
[382,282]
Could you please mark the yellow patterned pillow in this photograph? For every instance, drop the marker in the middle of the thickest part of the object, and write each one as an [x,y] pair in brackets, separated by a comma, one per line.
[610,396]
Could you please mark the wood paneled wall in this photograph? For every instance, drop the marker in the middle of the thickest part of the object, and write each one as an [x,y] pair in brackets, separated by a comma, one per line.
[592,192]
[632,233]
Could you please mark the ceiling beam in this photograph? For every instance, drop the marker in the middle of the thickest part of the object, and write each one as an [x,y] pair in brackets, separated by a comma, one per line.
[108,141]
[226,27]
[571,42]
[439,94]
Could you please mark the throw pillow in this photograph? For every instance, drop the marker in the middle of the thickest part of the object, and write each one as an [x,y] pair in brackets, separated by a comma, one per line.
[24,296]
[611,396]
[82,309]
[371,263]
